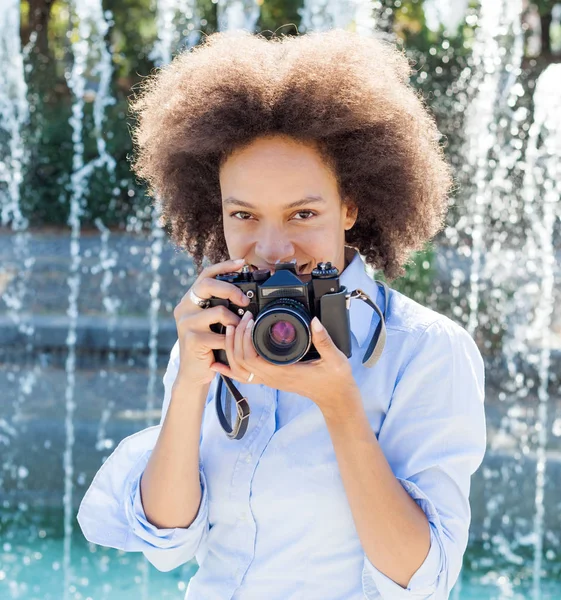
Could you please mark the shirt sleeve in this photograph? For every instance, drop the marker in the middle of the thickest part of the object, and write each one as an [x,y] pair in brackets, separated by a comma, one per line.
[434,438]
[111,512]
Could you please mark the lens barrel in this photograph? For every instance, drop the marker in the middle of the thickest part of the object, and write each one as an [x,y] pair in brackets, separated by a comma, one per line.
[281,333]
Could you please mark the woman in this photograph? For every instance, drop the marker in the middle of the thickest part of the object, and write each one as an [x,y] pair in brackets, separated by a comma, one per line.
[349,482]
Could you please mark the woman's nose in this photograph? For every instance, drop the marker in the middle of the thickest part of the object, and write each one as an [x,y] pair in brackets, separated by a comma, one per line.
[274,248]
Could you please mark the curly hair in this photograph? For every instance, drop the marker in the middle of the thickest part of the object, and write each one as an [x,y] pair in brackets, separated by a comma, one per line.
[347,94]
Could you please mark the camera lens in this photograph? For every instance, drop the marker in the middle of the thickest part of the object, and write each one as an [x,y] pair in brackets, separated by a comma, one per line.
[281,333]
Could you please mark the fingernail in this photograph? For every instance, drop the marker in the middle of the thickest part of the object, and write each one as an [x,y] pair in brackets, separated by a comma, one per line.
[239,261]
[316,325]
[229,329]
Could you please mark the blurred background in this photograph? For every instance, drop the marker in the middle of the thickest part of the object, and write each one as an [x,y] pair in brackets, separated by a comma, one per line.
[89,279]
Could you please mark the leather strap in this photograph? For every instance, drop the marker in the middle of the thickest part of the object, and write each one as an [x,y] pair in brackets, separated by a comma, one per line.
[242,409]
[371,357]
[378,341]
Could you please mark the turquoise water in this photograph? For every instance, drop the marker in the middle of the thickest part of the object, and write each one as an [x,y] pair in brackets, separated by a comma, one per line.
[31,568]
[35,572]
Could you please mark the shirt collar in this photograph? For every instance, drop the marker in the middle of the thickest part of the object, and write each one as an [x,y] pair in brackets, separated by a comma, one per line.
[355,277]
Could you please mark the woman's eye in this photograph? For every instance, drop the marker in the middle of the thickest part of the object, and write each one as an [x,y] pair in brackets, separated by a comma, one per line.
[240,214]
[308,214]
[301,215]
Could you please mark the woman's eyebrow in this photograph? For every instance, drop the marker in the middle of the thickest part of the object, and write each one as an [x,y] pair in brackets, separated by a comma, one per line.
[307,200]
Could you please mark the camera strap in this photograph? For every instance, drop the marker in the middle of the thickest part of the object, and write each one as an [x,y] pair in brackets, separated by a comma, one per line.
[371,357]
[242,409]
[378,341]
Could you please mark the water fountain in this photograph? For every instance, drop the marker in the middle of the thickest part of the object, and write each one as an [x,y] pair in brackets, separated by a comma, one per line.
[320,15]
[14,115]
[91,59]
[446,13]
[542,169]
[238,14]
[500,287]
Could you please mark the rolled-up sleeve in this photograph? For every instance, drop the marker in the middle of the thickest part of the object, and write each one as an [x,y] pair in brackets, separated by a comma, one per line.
[434,438]
[111,512]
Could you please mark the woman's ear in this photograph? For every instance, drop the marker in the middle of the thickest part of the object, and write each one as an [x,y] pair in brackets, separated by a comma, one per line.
[350,215]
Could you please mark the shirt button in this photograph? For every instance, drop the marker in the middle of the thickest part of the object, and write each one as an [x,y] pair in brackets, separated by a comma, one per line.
[248,457]
[243,517]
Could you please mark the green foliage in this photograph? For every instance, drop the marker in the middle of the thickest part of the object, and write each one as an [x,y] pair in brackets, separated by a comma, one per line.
[280,17]
[208,14]
[545,6]
[43,197]
[132,37]
[417,283]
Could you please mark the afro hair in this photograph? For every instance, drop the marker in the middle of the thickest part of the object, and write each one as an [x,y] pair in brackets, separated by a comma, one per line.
[347,94]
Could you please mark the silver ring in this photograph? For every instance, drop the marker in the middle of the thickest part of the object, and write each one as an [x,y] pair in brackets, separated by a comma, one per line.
[251,375]
[202,302]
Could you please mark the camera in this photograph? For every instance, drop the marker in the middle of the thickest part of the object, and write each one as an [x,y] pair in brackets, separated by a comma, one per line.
[283,306]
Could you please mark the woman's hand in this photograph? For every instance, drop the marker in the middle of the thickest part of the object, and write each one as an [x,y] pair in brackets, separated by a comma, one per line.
[196,340]
[327,381]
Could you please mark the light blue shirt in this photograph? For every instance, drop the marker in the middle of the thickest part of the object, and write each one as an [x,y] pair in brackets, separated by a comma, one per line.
[274,520]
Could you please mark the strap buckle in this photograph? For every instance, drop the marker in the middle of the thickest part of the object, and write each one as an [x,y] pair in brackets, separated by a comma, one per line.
[237,431]
[358,293]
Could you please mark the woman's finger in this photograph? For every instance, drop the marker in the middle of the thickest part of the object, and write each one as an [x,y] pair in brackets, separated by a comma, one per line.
[209,273]
[238,372]
[201,320]
[224,370]
[210,287]
[238,340]
[212,341]
[248,347]
[227,266]
[229,346]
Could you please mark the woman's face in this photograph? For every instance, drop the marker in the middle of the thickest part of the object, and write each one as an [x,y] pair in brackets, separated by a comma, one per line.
[280,202]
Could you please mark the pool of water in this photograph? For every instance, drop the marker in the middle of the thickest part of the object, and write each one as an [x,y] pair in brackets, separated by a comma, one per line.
[32,568]
[36,572]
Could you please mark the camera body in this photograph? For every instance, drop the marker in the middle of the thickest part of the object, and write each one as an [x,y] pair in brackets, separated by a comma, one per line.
[283,305]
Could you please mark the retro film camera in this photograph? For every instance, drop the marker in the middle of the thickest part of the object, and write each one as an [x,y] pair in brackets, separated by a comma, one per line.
[283,306]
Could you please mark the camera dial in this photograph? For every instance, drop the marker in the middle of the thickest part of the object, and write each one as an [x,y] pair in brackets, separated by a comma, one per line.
[261,274]
[245,273]
[325,270]
[229,277]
